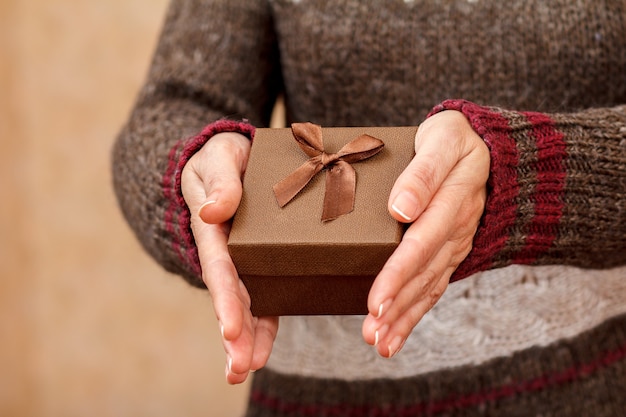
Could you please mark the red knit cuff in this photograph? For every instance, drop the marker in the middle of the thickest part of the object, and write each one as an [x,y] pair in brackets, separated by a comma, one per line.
[525,186]
[177,215]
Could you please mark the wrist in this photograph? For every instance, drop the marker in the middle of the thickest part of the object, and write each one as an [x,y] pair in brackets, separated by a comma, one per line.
[177,215]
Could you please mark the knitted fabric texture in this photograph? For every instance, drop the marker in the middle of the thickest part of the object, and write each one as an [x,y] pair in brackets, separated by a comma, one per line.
[543,83]
[484,52]
[485,316]
[570,378]
[177,215]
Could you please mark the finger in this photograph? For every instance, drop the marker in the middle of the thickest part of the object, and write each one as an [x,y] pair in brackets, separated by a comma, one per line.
[239,351]
[433,235]
[235,372]
[404,324]
[419,287]
[233,378]
[265,334]
[454,212]
[230,300]
[413,301]
[240,360]
[420,243]
[416,186]
[220,167]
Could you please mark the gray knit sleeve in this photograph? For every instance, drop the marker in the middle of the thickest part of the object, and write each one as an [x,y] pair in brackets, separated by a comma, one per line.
[214,60]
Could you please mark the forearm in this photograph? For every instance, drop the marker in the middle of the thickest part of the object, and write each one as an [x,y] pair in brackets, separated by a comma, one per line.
[196,78]
[557,188]
[147,183]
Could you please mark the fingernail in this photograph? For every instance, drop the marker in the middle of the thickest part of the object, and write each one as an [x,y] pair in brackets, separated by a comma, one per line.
[229,364]
[405,205]
[395,346]
[380,333]
[382,308]
[222,329]
[206,203]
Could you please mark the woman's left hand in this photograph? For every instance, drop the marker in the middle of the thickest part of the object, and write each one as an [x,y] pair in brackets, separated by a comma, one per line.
[442,193]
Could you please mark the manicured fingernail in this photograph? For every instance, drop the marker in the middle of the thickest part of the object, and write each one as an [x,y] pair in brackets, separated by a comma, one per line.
[380,333]
[405,205]
[395,346]
[229,365]
[400,212]
[206,203]
[382,308]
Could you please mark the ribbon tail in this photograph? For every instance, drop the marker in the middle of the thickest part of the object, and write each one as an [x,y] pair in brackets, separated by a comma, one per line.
[340,191]
[291,185]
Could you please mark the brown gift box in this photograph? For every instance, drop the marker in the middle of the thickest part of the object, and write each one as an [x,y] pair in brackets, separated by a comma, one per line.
[292,262]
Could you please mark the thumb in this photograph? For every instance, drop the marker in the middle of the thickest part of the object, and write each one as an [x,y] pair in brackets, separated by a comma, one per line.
[220,165]
[436,154]
[412,191]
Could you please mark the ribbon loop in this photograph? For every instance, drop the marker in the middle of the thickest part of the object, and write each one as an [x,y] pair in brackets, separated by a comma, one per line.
[340,185]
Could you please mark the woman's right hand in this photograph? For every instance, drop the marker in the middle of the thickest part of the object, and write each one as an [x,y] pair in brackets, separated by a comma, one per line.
[211,186]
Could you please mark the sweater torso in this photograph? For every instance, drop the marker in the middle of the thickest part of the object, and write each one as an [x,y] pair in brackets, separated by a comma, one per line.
[386,62]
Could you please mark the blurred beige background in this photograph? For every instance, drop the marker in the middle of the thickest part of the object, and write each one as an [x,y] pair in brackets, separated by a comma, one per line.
[90,326]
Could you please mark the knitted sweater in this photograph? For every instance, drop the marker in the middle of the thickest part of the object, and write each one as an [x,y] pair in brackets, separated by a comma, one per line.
[543,83]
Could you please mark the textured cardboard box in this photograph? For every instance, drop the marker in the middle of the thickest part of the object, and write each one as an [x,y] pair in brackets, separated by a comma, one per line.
[293,263]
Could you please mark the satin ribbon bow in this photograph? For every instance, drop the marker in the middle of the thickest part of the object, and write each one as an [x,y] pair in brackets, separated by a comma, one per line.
[340,176]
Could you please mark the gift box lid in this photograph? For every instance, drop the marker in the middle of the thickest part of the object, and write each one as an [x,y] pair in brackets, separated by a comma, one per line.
[267,240]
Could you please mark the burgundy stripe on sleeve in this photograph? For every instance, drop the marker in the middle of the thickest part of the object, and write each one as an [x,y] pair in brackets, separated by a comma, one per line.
[509,232]
[168,192]
[177,216]
[548,194]
[503,188]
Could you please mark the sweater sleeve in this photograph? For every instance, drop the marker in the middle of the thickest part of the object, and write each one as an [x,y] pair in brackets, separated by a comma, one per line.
[215,69]
[556,191]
